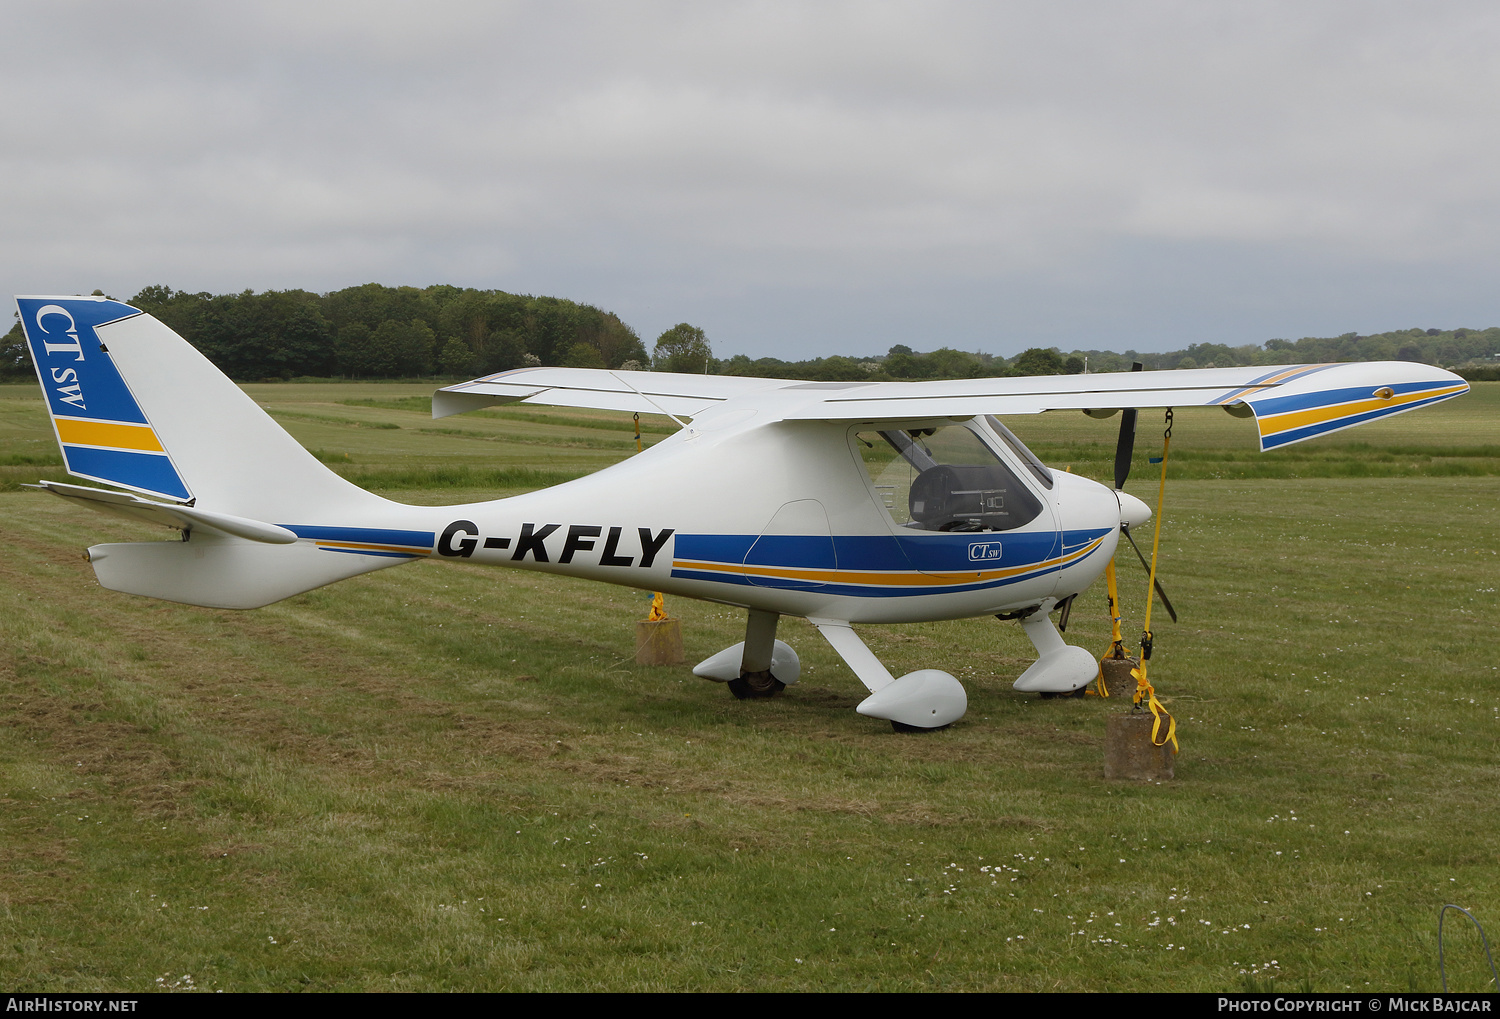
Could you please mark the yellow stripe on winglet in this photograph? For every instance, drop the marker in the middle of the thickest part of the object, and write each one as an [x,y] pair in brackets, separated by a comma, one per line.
[1275,424]
[108,434]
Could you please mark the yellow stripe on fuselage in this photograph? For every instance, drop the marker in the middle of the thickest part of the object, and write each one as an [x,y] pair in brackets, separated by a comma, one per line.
[1274,424]
[360,546]
[108,434]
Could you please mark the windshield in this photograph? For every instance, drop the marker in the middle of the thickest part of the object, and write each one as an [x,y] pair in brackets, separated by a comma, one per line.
[945,479]
[1042,472]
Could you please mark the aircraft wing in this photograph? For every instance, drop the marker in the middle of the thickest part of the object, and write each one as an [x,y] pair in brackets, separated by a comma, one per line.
[1289,402]
[599,388]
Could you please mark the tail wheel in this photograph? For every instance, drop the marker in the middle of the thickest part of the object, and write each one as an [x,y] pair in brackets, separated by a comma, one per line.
[756,686]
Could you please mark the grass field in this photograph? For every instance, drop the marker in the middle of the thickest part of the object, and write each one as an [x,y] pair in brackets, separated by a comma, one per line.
[444,777]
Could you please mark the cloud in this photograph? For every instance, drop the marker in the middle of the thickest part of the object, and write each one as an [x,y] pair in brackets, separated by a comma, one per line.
[792,176]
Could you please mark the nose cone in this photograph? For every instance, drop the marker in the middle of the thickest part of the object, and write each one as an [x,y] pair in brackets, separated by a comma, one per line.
[1133,512]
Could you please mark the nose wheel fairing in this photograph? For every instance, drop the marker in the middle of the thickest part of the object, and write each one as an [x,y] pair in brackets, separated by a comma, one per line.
[1060,667]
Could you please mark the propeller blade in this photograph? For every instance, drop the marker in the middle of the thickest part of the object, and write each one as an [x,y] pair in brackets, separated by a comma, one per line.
[1165,601]
[1125,447]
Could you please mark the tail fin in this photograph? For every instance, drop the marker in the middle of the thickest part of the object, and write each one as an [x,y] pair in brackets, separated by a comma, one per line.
[136,406]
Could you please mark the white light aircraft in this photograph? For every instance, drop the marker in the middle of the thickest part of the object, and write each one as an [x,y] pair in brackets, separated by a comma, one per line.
[840,502]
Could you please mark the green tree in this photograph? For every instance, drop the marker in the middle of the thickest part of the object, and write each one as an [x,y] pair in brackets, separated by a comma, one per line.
[583,355]
[277,334]
[15,356]
[504,351]
[417,341]
[373,304]
[683,348]
[948,363]
[351,350]
[902,364]
[366,352]
[739,364]
[1038,361]
[1218,355]
[457,358]
[395,349]
[839,369]
[551,327]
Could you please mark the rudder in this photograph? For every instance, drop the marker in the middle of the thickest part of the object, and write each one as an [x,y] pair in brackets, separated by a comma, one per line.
[137,406]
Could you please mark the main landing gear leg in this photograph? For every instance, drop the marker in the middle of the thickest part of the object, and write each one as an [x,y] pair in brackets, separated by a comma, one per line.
[760,666]
[920,701]
[755,679]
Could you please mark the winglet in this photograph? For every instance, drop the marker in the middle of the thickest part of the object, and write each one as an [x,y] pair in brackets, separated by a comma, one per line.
[1328,398]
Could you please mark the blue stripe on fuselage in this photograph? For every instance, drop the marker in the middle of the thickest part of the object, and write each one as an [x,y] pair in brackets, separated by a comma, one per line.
[368,535]
[924,551]
[937,552]
[948,552]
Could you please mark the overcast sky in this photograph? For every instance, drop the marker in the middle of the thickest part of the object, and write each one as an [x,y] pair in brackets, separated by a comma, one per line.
[799,179]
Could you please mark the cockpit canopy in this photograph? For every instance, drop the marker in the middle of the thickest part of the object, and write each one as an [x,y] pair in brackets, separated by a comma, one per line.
[945,479]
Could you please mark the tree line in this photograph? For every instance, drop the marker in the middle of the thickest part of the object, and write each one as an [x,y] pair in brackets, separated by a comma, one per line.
[1473,353]
[379,332]
[375,331]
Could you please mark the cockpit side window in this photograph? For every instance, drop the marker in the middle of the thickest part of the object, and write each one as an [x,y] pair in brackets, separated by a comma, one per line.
[945,479]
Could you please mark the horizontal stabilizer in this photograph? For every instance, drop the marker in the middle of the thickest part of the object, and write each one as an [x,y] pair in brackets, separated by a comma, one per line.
[168,514]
